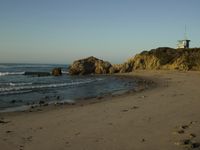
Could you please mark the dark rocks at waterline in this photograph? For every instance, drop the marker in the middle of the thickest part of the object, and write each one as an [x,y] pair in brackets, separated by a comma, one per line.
[38,74]
[41,102]
[90,65]
[57,72]
[16,101]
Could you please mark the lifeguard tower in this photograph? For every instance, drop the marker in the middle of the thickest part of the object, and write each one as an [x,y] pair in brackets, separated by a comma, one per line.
[184,43]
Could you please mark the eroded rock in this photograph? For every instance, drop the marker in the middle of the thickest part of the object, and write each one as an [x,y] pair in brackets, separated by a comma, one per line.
[90,65]
[57,72]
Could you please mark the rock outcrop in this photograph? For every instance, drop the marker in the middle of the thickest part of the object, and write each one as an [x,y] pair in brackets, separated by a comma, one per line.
[90,65]
[38,74]
[164,58]
[57,72]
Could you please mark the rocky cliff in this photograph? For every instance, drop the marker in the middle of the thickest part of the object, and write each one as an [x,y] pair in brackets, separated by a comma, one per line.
[161,58]
[164,58]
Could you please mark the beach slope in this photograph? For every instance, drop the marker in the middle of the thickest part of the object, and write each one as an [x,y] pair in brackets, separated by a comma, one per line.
[163,117]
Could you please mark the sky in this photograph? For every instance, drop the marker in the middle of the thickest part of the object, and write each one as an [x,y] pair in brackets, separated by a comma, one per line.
[61,31]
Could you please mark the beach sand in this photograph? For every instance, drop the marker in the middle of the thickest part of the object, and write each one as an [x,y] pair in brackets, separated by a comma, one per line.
[165,117]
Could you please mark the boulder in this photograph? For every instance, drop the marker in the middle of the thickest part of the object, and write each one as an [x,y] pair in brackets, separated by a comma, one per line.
[57,72]
[90,65]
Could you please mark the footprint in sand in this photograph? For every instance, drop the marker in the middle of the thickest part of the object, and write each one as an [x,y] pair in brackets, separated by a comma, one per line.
[186,137]
[134,107]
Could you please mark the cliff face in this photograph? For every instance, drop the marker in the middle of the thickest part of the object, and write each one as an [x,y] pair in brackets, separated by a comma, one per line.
[164,58]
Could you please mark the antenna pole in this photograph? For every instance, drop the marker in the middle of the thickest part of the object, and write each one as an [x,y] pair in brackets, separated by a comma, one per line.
[185,34]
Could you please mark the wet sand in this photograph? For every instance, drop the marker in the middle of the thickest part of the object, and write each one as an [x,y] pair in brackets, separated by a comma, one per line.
[165,117]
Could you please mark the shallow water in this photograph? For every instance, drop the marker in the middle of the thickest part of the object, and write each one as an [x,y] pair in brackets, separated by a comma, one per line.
[17,90]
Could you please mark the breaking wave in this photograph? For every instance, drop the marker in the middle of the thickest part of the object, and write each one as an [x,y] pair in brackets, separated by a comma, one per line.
[11,73]
[15,84]
[14,87]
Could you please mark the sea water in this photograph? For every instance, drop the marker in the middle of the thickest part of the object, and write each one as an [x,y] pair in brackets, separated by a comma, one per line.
[19,90]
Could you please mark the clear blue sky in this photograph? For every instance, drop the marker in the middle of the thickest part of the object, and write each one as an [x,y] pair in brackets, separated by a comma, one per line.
[60,31]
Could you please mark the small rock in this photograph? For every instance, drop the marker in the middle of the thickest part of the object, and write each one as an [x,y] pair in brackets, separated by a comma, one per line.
[41,102]
[57,72]
[143,140]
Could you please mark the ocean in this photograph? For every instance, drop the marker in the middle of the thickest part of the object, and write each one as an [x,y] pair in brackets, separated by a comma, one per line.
[18,90]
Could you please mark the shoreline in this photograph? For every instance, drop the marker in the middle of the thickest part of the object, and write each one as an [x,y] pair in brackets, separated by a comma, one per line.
[165,117]
[142,84]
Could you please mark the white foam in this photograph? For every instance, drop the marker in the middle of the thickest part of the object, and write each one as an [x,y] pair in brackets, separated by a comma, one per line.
[10,73]
[65,72]
[18,84]
[30,87]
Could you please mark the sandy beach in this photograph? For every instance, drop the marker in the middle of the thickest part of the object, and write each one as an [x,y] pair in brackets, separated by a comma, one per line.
[165,117]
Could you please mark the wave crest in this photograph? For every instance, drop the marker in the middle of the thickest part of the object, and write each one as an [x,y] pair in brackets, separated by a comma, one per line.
[29,86]
[11,73]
